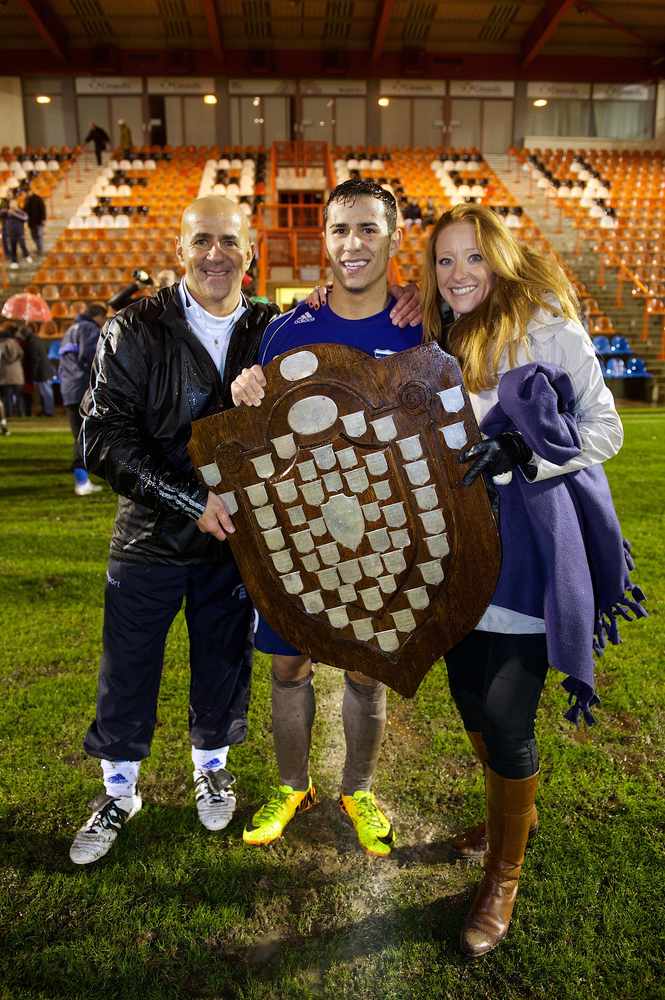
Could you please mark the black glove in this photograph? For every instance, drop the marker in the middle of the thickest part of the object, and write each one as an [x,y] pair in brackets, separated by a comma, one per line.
[496,455]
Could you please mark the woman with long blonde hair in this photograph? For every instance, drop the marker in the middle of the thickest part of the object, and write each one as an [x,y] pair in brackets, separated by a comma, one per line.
[509,315]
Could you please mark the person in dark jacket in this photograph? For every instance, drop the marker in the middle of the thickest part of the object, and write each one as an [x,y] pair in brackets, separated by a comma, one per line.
[162,362]
[35,208]
[100,140]
[16,220]
[37,367]
[76,353]
[11,373]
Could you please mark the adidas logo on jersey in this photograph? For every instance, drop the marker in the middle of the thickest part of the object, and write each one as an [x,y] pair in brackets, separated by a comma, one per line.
[305,318]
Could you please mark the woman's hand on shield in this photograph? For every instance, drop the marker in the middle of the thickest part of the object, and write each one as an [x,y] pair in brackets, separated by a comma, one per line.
[249,387]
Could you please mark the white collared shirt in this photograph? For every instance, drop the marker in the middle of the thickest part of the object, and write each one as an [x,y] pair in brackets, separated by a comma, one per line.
[214,332]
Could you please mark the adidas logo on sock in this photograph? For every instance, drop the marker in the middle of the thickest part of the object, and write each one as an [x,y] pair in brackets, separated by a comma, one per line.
[212,764]
[305,318]
[117,779]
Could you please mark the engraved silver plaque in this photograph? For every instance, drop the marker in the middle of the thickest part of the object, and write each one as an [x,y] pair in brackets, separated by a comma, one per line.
[285,446]
[347,593]
[379,539]
[307,471]
[303,541]
[333,482]
[433,522]
[371,598]
[329,579]
[298,366]
[363,629]
[404,620]
[382,490]
[438,546]
[265,516]
[312,415]
[313,602]
[411,448]
[344,519]
[282,561]
[394,562]
[211,474]
[258,496]
[426,497]
[296,516]
[418,472]
[286,491]
[384,428]
[431,572]
[388,640]
[454,434]
[357,480]
[274,539]
[264,466]
[417,598]
[350,571]
[338,617]
[452,399]
[372,565]
[395,515]
[371,511]
[292,583]
[329,553]
[324,456]
[355,424]
[313,493]
[376,463]
[347,458]
[230,502]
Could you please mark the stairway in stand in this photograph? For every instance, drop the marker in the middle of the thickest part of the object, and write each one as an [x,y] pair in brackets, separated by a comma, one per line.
[628,317]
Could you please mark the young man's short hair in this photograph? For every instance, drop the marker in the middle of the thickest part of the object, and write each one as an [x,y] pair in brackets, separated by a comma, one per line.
[347,193]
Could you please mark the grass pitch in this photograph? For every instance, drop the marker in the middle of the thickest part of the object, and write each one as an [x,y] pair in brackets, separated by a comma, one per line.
[176,912]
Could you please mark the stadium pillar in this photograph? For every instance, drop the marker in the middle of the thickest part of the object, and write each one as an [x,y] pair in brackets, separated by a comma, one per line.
[222,111]
[373,114]
[69,111]
[659,130]
[520,113]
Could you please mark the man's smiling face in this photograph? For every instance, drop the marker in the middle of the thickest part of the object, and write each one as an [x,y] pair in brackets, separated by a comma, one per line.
[215,250]
[358,242]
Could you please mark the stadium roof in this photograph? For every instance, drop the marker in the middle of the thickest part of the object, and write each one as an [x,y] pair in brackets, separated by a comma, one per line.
[611,40]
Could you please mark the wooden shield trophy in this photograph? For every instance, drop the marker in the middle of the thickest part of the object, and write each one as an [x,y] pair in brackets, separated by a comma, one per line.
[354,535]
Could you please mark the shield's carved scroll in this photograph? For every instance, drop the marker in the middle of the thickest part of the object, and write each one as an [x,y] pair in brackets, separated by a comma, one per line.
[354,534]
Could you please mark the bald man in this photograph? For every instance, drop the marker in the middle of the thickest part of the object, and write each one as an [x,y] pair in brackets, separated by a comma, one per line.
[161,363]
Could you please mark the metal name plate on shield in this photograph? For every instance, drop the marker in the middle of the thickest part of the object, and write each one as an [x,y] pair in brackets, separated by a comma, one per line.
[354,534]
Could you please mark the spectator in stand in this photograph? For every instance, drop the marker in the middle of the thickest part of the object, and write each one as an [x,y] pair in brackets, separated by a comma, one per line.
[412,214]
[4,212]
[16,220]
[76,353]
[125,134]
[431,214]
[36,370]
[11,373]
[100,140]
[36,209]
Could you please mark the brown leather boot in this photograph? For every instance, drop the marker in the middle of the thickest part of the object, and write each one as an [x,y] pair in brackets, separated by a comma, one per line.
[509,810]
[471,845]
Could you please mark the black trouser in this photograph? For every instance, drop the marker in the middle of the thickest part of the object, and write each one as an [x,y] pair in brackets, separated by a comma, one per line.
[141,601]
[496,680]
[16,241]
[98,153]
[75,421]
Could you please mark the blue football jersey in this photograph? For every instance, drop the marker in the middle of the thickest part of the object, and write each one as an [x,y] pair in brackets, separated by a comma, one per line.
[375,335]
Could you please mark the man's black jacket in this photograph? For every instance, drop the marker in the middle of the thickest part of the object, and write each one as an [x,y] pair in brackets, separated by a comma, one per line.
[150,379]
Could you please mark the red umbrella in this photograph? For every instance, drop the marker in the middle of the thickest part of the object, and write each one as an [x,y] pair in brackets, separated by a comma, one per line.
[30,308]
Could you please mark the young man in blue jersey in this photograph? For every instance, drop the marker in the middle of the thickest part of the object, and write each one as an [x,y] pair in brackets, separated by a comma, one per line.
[361,236]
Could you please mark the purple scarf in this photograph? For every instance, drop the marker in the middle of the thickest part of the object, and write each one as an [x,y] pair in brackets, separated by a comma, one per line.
[582,562]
